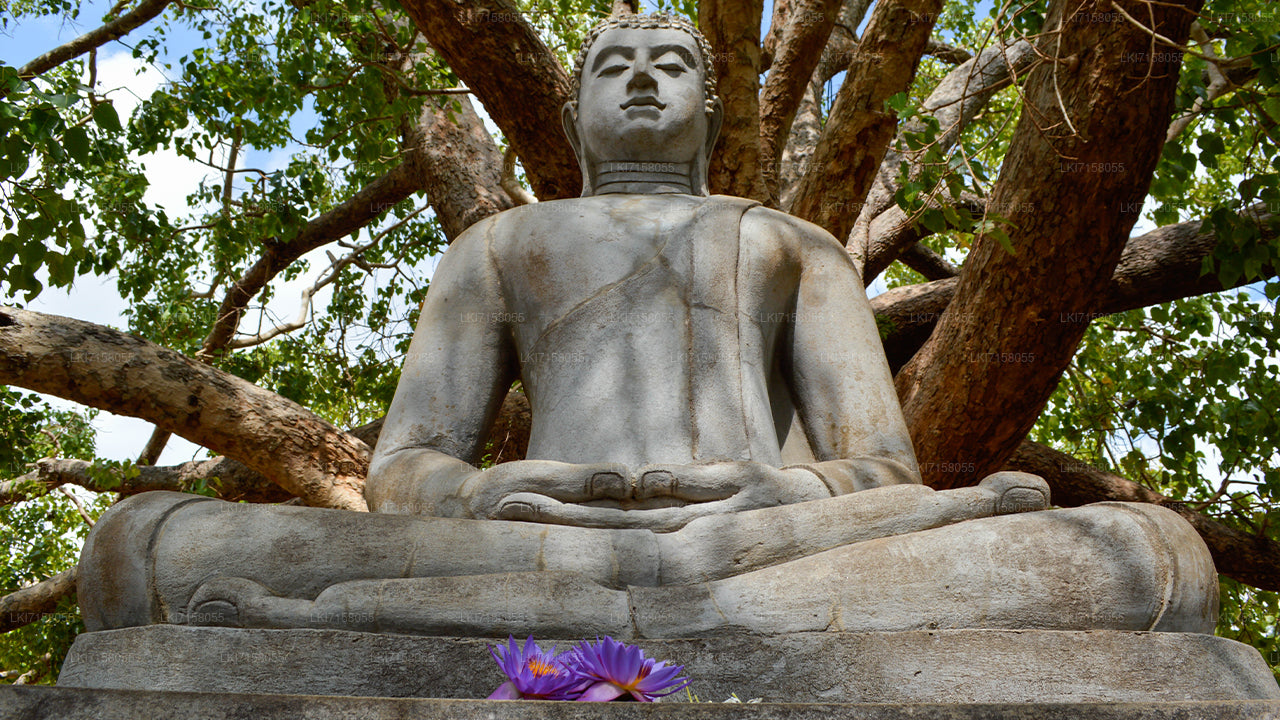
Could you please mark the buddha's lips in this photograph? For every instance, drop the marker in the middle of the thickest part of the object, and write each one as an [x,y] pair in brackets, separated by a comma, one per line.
[644,100]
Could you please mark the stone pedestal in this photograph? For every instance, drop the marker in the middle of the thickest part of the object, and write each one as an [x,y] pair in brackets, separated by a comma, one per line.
[941,666]
[81,704]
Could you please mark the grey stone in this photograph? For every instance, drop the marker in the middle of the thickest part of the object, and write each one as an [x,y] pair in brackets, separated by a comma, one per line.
[942,666]
[39,703]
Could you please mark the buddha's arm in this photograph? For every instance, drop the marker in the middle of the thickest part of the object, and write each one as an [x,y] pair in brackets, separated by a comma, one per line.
[456,372]
[839,377]
[458,369]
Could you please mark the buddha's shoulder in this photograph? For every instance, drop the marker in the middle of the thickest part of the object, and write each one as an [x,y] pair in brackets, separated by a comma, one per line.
[800,239]
[523,221]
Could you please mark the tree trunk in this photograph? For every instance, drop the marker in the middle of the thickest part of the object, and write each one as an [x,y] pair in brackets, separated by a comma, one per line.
[458,165]
[732,27]
[977,386]
[859,129]
[105,368]
[799,33]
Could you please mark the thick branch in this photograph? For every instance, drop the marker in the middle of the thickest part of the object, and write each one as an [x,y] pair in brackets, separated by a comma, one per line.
[892,231]
[231,480]
[860,126]
[108,369]
[799,33]
[732,27]
[460,167]
[498,54]
[1251,559]
[95,38]
[928,263]
[25,606]
[1156,267]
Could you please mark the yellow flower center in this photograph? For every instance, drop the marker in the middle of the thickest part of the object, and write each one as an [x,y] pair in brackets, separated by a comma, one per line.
[539,667]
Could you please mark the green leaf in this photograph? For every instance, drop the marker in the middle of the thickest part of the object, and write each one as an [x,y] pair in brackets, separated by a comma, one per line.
[76,142]
[104,115]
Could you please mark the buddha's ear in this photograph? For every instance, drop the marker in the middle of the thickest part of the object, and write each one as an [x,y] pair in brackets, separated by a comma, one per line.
[715,118]
[569,119]
[698,172]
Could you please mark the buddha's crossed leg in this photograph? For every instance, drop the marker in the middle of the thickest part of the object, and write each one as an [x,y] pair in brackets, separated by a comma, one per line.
[855,562]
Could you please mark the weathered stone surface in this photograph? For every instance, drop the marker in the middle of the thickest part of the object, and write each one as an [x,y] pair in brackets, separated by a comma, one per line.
[32,703]
[954,666]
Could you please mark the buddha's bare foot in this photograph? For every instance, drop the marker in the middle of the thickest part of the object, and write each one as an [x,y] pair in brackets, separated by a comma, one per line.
[240,602]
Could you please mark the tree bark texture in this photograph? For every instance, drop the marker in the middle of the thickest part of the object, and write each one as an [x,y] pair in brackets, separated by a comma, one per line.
[458,164]
[860,127]
[799,33]
[953,103]
[498,54]
[732,27]
[100,367]
[1078,166]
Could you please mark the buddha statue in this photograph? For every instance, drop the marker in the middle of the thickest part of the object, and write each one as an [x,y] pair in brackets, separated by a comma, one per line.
[716,443]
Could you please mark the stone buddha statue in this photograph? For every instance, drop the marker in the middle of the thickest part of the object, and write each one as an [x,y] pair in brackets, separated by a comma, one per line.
[716,443]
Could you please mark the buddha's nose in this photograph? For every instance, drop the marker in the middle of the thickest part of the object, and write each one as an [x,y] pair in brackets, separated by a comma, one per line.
[642,76]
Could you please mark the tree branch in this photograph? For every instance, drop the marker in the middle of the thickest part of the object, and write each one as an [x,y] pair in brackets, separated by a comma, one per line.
[108,369]
[498,54]
[1156,267]
[95,38]
[25,606]
[928,263]
[369,202]
[953,103]
[860,128]
[796,39]
[458,165]
[229,479]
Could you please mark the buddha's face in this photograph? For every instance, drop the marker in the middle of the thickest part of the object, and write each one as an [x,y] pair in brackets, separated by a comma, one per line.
[642,97]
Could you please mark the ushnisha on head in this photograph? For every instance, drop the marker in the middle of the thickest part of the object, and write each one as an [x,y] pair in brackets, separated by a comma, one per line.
[644,114]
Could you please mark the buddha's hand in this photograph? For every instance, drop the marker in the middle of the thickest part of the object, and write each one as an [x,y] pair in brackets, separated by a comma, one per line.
[498,492]
[665,497]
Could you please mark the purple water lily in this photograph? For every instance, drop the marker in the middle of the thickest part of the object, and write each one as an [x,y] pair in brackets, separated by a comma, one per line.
[615,669]
[534,674]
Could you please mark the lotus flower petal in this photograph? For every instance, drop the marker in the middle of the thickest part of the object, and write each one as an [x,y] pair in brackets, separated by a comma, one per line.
[534,674]
[608,662]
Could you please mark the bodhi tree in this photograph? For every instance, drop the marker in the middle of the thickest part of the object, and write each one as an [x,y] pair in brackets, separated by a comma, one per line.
[1072,205]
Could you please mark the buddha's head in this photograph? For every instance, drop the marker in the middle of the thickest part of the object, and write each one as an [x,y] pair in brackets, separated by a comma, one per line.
[644,104]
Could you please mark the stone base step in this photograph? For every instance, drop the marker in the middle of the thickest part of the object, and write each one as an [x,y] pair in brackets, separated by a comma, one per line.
[55,703]
[939,666]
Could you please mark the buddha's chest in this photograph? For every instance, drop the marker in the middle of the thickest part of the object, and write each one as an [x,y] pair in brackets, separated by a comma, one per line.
[586,256]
